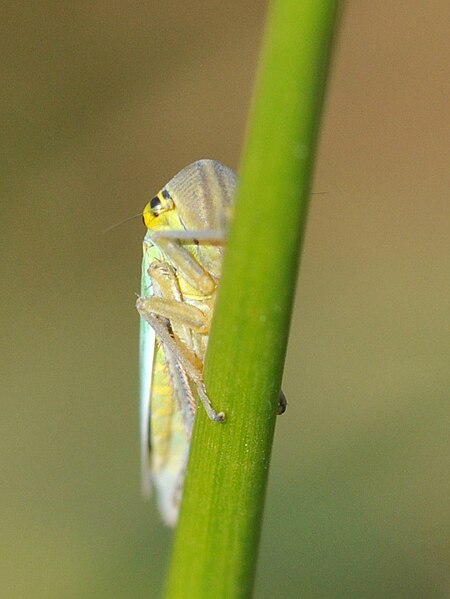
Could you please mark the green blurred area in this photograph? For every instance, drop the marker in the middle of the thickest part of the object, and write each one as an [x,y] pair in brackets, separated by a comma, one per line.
[101,104]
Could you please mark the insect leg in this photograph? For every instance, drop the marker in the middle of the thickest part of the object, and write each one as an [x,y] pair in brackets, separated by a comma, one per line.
[168,302]
[212,236]
[191,270]
[172,320]
[175,311]
[171,344]
[282,403]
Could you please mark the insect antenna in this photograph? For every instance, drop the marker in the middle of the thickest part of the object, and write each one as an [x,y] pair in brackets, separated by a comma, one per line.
[125,220]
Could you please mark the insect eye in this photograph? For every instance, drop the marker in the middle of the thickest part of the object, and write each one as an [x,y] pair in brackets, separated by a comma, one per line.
[155,205]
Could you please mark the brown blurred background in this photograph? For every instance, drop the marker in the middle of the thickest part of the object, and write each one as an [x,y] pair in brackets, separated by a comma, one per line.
[101,103]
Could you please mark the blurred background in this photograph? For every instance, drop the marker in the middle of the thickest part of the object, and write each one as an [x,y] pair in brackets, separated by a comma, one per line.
[101,104]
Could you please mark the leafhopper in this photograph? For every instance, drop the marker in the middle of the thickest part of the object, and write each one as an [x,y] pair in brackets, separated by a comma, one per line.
[187,223]
[183,250]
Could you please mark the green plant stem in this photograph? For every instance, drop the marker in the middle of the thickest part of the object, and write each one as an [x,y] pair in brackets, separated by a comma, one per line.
[217,538]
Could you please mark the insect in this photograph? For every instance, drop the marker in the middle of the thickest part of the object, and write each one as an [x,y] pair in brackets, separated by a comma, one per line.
[187,223]
[183,250]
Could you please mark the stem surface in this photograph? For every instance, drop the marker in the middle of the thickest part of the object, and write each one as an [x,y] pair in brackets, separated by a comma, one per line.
[217,538]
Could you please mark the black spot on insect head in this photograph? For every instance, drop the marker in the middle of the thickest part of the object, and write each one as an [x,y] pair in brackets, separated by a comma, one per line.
[155,205]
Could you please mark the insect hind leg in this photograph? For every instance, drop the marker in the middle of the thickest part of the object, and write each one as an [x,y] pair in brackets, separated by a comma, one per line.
[171,344]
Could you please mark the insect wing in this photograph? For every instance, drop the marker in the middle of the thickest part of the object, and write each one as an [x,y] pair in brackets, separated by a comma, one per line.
[146,357]
[204,193]
[164,435]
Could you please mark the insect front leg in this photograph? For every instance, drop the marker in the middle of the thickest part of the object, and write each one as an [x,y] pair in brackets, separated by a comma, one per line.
[197,276]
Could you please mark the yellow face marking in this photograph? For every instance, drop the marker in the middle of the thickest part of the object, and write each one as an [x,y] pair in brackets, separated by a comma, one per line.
[160,213]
